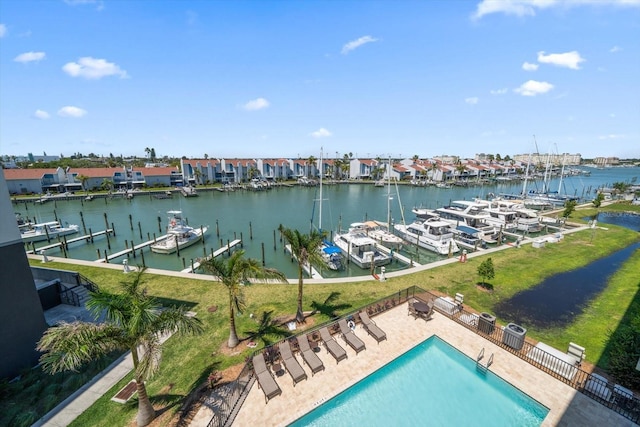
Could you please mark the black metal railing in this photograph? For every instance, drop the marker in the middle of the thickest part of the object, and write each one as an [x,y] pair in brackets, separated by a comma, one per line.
[612,396]
[571,374]
[88,284]
[69,297]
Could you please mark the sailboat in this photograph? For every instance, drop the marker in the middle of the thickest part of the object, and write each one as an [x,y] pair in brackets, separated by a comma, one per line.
[380,231]
[331,254]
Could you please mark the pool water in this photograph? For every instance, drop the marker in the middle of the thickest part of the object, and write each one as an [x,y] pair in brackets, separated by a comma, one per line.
[432,384]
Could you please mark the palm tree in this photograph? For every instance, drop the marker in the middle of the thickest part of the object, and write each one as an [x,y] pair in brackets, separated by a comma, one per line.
[268,328]
[232,273]
[304,248]
[134,321]
[83,181]
[310,162]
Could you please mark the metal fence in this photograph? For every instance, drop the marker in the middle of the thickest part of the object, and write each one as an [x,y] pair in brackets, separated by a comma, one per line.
[228,402]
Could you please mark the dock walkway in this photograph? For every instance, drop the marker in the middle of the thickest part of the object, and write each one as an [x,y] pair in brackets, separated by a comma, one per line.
[217,253]
[86,237]
[129,250]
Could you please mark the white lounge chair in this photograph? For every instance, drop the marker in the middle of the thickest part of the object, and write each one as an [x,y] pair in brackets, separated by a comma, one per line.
[576,352]
[598,386]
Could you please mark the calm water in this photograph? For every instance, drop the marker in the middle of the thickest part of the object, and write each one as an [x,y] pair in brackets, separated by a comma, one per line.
[559,298]
[255,216]
[432,384]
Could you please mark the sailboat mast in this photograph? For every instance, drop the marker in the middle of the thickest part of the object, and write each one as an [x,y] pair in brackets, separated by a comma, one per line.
[389,195]
[564,156]
[320,210]
[526,177]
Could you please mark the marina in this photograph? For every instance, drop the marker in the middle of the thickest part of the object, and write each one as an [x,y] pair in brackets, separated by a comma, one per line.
[254,217]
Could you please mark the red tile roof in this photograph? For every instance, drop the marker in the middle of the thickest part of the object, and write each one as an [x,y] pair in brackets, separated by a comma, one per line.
[15,174]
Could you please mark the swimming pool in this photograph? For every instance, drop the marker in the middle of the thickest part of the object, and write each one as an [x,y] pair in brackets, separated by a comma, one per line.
[432,384]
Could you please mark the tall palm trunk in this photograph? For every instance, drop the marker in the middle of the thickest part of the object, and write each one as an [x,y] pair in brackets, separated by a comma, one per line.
[233,335]
[299,313]
[146,413]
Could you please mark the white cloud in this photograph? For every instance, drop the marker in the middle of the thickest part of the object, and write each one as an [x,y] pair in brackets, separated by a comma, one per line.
[499,91]
[530,7]
[30,57]
[354,44]
[92,68]
[256,104]
[321,133]
[471,101]
[615,49]
[3,30]
[533,88]
[528,66]
[568,59]
[41,115]
[99,3]
[612,136]
[71,111]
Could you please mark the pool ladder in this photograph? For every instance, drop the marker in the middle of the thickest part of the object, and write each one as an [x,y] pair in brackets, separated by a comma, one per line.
[479,365]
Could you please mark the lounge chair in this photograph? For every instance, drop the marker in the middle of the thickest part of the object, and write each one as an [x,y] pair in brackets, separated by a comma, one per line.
[265,379]
[291,363]
[576,352]
[371,327]
[310,358]
[352,339]
[598,386]
[332,346]
[412,310]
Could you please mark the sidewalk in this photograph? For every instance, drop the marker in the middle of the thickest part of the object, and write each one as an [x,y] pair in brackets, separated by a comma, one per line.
[74,405]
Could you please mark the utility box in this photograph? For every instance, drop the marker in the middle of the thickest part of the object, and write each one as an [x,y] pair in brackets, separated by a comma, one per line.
[486,323]
[513,336]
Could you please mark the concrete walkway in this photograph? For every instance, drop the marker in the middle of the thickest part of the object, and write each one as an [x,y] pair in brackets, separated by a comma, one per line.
[74,405]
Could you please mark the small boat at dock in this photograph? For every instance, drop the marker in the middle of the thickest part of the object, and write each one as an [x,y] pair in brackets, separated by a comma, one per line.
[46,230]
[179,235]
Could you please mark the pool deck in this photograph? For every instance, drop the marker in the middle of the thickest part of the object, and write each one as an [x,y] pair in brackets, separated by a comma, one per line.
[568,407]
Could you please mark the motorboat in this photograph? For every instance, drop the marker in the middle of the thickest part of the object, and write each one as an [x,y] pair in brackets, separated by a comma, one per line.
[383,235]
[46,231]
[360,248]
[179,235]
[432,234]
[332,255]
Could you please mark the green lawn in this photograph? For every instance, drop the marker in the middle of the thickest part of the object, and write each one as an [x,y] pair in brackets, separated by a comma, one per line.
[188,361]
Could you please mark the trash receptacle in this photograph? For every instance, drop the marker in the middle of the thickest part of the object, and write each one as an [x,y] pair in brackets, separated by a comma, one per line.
[513,336]
[486,323]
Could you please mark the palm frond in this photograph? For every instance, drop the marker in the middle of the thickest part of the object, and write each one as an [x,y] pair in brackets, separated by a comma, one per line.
[68,346]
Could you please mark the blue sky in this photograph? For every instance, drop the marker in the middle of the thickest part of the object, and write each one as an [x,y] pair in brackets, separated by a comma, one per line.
[284,78]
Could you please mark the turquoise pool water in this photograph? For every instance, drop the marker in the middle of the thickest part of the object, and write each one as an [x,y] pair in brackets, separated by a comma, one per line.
[432,384]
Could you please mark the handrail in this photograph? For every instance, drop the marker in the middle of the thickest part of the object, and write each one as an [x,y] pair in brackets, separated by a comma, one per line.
[551,365]
[480,355]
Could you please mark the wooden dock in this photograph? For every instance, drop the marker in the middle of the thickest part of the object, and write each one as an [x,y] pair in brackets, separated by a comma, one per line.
[397,255]
[312,272]
[86,237]
[217,253]
[129,250]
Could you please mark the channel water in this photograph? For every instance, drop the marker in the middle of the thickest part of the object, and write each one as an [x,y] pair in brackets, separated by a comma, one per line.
[558,299]
[254,217]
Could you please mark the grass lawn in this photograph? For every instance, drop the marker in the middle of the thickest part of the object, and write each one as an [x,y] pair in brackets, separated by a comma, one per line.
[188,361]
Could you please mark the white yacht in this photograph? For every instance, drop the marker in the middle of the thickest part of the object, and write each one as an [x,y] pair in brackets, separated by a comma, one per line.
[180,235]
[46,230]
[432,234]
[360,248]
[383,235]
[464,212]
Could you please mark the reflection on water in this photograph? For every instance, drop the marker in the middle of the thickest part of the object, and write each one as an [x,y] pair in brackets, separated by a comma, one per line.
[558,299]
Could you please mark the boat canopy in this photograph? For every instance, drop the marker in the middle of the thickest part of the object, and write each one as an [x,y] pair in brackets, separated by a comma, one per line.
[467,229]
[330,250]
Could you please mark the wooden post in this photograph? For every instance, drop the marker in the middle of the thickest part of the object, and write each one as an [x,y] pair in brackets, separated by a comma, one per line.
[46,230]
[106,221]
[202,234]
[131,222]
[250,231]
[133,249]
[55,215]
[113,230]
[84,228]
[192,269]
[142,256]
[98,250]
[91,236]
[106,258]
[274,240]
[126,244]
[140,229]
[177,246]
[217,229]
[108,240]
[159,225]
[228,247]
[263,263]
[184,264]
